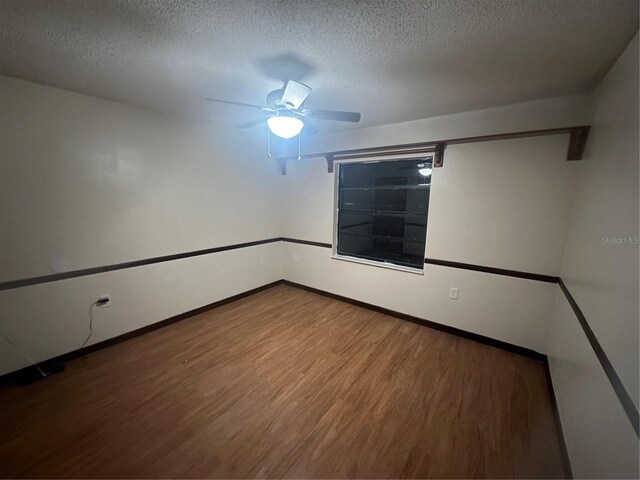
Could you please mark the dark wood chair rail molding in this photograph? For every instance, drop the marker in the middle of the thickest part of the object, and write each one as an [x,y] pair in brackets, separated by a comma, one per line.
[618,387]
[306,242]
[494,270]
[577,141]
[26,282]
[446,263]
[465,266]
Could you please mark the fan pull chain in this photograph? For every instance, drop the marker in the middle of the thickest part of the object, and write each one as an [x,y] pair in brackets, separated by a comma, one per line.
[268,142]
[299,157]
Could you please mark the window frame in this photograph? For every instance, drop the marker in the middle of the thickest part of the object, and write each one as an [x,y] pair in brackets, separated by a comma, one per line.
[336,205]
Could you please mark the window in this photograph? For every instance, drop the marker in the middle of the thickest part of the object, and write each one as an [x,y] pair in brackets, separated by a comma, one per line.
[381,211]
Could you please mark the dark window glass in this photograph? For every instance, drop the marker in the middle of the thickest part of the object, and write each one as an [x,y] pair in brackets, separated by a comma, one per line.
[382,210]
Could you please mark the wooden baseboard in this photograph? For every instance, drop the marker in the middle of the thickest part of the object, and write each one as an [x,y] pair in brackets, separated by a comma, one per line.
[12,376]
[566,462]
[65,357]
[527,352]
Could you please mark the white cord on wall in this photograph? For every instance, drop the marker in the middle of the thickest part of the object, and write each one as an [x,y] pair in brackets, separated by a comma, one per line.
[90,324]
[35,364]
[24,354]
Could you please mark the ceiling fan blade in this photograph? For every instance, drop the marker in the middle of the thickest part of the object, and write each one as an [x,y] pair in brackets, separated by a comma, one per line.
[253,123]
[308,128]
[333,115]
[295,93]
[217,100]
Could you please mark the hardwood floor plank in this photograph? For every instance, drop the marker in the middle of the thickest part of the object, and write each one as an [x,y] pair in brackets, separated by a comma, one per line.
[285,383]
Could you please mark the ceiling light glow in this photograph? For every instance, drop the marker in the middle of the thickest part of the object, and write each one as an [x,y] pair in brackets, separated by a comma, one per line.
[285,127]
[425,172]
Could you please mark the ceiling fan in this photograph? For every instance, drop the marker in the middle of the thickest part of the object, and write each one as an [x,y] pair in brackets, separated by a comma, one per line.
[284,114]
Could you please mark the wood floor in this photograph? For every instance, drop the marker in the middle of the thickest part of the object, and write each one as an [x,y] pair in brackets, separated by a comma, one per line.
[285,383]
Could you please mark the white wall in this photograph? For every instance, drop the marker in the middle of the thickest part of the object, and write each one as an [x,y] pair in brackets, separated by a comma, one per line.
[89,182]
[49,319]
[600,439]
[549,113]
[502,204]
[603,279]
[86,182]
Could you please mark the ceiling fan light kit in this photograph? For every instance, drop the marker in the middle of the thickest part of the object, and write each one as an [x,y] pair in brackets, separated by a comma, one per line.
[285,113]
[285,126]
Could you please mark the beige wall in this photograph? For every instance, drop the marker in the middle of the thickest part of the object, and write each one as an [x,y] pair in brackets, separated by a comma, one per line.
[548,113]
[49,319]
[503,204]
[599,437]
[603,279]
[86,182]
[89,182]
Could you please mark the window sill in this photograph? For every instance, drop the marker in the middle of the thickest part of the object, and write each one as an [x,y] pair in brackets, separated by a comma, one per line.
[373,263]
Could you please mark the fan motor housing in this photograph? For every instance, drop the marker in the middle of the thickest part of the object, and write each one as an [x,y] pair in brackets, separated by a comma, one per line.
[275,97]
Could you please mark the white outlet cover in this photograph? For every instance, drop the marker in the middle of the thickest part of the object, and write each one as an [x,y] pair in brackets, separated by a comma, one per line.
[453,293]
[103,297]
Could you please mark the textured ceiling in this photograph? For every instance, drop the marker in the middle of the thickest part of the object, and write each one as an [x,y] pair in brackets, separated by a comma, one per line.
[391,60]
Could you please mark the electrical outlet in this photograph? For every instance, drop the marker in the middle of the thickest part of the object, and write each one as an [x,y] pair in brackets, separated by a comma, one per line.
[296,258]
[101,301]
[262,261]
[453,293]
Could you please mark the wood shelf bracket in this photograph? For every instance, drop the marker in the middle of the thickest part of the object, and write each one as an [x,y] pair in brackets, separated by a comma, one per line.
[438,155]
[577,142]
[329,159]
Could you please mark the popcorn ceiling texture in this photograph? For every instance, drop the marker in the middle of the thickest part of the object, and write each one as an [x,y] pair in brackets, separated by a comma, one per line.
[392,60]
